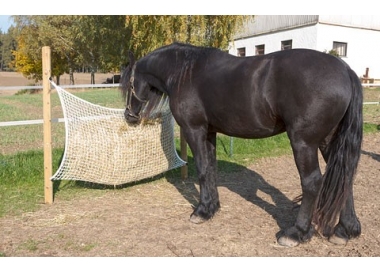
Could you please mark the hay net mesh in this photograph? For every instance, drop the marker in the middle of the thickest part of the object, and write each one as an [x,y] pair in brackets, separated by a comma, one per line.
[101,147]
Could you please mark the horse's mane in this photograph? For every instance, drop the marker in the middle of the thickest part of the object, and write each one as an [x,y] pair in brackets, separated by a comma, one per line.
[184,46]
[124,81]
[190,54]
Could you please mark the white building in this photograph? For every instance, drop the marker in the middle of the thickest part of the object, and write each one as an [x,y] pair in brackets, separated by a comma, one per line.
[356,38]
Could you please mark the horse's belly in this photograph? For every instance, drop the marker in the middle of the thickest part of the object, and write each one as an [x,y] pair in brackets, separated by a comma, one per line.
[250,130]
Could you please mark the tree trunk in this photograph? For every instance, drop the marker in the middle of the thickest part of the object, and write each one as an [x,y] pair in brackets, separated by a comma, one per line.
[71,76]
[92,76]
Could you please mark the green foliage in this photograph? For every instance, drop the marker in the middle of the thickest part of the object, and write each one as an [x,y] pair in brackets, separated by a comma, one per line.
[371,128]
[152,31]
[332,52]
[34,32]
[100,41]
[7,45]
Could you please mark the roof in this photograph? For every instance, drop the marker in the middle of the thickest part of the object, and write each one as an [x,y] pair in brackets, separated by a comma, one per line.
[262,24]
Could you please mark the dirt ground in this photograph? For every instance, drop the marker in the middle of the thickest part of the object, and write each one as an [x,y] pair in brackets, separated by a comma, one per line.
[152,219]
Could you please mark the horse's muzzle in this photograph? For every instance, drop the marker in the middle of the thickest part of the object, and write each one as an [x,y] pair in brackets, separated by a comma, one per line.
[130,117]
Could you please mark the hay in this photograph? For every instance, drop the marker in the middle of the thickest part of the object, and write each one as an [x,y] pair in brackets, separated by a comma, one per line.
[102,148]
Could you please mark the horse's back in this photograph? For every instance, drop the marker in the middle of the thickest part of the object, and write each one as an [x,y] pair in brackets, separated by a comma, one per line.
[261,96]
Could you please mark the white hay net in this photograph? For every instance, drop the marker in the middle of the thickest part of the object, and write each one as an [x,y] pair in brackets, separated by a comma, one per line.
[102,148]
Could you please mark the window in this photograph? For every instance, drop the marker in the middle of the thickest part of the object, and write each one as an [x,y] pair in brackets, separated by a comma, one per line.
[241,52]
[260,49]
[286,45]
[340,48]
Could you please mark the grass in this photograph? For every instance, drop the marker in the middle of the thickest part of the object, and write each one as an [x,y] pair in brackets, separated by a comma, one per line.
[30,245]
[21,155]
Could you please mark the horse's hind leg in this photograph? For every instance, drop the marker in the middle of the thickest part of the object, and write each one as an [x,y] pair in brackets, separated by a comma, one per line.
[349,225]
[306,158]
[202,145]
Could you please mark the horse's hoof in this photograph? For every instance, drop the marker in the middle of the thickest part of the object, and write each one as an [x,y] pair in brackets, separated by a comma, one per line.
[287,242]
[197,219]
[337,240]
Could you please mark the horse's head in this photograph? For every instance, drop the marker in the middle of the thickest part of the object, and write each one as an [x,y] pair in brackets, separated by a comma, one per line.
[135,90]
[141,90]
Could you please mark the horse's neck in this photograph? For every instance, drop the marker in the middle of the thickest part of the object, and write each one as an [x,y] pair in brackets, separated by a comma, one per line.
[159,69]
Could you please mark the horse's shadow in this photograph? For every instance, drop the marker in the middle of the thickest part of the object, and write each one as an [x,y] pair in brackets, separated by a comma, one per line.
[247,184]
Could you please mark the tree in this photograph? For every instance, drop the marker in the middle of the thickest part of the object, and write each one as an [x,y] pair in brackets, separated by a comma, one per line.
[151,31]
[28,65]
[34,32]
[100,41]
[75,41]
[7,45]
[1,50]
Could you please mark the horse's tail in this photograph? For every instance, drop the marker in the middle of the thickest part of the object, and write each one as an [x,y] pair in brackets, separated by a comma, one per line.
[343,157]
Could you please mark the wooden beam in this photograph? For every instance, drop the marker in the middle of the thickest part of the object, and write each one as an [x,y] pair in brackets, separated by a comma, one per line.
[46,73]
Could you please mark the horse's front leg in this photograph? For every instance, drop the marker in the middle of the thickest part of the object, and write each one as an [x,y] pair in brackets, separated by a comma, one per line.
[203,145]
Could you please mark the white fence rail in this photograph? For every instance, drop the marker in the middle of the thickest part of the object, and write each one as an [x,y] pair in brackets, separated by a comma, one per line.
[30,122]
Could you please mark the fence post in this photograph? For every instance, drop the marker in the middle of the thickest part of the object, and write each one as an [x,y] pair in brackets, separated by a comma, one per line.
[46,72]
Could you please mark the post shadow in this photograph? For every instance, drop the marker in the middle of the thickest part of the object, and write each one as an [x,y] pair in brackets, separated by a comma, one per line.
[374,156]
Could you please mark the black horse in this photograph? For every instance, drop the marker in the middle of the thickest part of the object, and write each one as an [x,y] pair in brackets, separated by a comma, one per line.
[312,96]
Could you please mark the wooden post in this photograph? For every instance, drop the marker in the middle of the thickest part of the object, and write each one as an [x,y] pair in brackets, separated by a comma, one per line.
[184,169]
[46,72]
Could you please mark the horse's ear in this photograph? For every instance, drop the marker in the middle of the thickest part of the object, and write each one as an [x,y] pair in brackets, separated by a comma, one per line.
[131,58]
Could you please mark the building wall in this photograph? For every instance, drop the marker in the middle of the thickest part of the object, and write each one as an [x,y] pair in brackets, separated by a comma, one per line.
[362,44]
[303,37]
